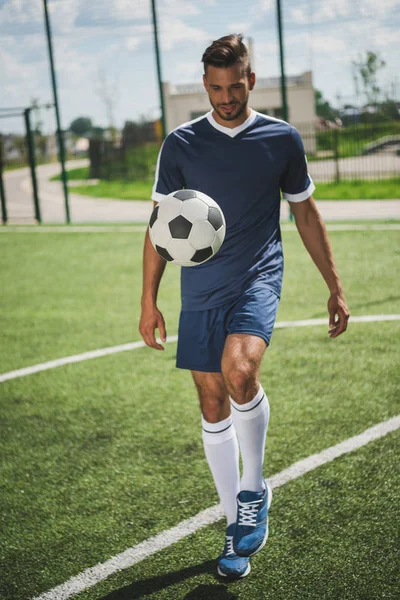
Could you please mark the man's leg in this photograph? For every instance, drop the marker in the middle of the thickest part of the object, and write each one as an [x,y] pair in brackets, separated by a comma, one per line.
[219,438]
[222,453]
[250,408]
[250,411]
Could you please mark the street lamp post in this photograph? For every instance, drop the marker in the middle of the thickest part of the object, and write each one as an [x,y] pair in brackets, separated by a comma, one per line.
[60,138]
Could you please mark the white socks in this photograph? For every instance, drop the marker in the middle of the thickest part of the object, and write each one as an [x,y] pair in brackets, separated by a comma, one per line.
[248,424]
[251,424]
[222,453]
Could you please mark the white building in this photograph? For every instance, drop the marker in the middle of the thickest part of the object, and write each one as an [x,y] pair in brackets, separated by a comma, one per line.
[186,102]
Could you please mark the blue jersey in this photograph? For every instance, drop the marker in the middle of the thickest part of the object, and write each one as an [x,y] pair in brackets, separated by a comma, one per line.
[244,170]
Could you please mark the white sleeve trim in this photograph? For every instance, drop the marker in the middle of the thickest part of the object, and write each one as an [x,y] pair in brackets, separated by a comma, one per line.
[157,197]
[302,195]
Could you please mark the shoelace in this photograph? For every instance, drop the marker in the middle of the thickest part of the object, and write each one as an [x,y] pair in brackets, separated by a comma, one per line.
[248,513]
[229,545]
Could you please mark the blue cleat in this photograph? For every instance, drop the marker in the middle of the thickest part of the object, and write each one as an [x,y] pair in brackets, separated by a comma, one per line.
[230,564]
[252,521]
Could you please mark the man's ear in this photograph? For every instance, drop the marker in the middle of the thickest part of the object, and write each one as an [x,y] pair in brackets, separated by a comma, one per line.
[252,80]
[205,82]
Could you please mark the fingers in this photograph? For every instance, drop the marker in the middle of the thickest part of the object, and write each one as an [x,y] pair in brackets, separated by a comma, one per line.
[147,330]
[161,328]
[332,322]
[336,327]
[152,342]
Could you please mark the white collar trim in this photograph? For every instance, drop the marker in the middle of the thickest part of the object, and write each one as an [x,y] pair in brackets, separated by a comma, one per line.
[232,131]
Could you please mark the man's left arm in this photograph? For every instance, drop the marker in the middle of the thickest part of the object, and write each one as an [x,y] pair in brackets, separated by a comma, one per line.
[313,232]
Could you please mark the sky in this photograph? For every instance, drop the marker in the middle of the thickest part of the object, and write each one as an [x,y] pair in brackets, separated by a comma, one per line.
[108,45]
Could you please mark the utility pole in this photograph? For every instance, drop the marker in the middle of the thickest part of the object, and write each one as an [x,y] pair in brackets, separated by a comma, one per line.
[4,215]
[160,87]
[285,112]
[60,138]
[32,162]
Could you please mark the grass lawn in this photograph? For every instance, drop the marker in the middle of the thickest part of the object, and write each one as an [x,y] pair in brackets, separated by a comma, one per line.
[359,190]
[141,190]
[99,455]
[345,190]
[77,173]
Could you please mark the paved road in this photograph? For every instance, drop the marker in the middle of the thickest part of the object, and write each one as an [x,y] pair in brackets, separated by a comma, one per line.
[356,167]
[85,210]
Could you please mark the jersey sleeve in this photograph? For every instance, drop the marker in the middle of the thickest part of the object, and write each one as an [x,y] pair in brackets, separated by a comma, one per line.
[168,176]
[296,184]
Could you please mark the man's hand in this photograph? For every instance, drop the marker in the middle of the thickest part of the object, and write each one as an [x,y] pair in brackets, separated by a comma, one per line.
[337,308]
[150,320]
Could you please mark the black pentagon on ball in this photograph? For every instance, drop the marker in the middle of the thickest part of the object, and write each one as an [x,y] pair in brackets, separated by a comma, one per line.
[180,228]
[154,216]
[202,255]
[164,253]
[215,218]
[185,194]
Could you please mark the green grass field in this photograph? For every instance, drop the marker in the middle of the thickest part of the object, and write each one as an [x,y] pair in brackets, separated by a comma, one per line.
[141,190]
[100,455]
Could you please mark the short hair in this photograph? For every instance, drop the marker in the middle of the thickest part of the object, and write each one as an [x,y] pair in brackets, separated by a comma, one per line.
[226,52]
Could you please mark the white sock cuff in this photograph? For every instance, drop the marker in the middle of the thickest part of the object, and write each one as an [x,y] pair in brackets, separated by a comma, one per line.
[217,433]
[251,409]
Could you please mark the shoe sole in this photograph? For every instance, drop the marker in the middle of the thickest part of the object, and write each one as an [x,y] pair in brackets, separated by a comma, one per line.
[266,530]
[232,575]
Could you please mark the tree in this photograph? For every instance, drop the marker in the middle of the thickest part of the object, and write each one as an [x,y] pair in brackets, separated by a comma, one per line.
[134,133]
[322,107]
[365,71]
[82,126]
[130,134]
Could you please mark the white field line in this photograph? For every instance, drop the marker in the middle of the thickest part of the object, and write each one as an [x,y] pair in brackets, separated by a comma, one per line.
[142,228]
[67,360]
[73,229]
[130,557]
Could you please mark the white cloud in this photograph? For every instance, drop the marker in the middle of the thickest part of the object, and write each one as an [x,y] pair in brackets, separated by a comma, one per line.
[385,37]
[186,72]
[265,6]
[175,31]
[299,15]
[240,27]
[324,11]
[63,15]
[131,44]
[327,44]
[339,10]
[11,70]
[177,8]
[112,12]
[377,9]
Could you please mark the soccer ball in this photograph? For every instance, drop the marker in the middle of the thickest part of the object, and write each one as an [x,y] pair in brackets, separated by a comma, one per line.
[187,228]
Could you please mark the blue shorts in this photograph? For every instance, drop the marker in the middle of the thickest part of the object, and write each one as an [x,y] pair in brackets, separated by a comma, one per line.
[202,334]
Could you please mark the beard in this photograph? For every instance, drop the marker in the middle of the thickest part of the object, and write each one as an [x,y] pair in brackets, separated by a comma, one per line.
[239,108]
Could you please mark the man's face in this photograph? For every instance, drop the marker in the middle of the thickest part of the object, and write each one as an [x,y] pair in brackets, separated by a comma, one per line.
[228,90]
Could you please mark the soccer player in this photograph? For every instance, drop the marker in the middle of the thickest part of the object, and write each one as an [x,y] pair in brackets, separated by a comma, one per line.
[243,160]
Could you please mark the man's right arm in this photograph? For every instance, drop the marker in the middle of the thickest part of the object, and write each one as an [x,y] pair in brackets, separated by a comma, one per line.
[168,178]
[151,318]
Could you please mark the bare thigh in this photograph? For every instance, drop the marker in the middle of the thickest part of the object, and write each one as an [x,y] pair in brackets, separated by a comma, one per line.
[213,396]
[241,362]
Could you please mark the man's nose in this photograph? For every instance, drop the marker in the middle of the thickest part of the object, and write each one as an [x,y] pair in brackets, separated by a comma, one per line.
[226,96]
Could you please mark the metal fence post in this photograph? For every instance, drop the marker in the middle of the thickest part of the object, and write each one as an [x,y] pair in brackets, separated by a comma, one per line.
[336,154]
[32,163]
[2,192]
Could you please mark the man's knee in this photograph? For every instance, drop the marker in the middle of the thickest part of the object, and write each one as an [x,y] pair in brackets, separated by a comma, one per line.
[241,379]
[213,397]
